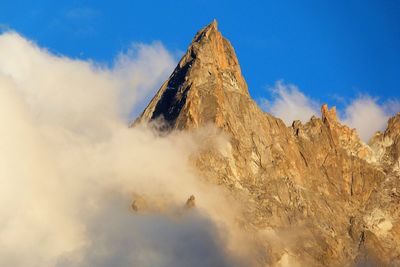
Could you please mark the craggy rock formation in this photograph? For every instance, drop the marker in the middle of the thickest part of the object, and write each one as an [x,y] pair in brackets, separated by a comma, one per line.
[315,194]
[190,202]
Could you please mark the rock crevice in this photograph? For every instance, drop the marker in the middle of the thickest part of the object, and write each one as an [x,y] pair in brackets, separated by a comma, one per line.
[318,177]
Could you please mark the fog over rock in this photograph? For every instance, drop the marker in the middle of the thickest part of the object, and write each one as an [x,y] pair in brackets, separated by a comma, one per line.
[70,168]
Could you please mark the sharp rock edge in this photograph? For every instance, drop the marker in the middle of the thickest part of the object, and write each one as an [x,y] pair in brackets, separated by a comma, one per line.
[315,194]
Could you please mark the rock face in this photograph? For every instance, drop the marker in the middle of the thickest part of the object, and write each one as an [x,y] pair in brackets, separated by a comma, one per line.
[332,199]
[386,146]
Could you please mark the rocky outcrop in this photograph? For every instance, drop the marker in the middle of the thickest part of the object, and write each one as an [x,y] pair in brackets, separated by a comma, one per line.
[315,194]
[386,146]
[345,136]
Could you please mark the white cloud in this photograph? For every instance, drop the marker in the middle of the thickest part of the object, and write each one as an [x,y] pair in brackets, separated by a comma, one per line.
[364,113]
[289,103]
[69,167]
[368,116]
[142,67]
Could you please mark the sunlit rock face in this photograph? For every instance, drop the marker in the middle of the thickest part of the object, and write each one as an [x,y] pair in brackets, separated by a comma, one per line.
[314,193]
[386,145]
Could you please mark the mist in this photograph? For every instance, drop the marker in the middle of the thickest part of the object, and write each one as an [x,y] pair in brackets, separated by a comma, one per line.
[70,168]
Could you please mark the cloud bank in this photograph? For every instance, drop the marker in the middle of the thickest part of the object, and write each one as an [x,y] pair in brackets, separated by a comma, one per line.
[70,168]
[364,113]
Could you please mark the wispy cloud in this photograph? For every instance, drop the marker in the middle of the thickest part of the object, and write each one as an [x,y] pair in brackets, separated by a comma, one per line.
[368,116]
[79,21]
[289,103]
[137,67]
[82,13]
[365,113]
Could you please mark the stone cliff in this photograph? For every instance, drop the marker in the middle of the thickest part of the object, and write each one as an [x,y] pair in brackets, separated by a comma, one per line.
[334,198]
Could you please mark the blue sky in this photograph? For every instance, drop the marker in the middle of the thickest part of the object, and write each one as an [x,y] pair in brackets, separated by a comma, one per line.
[332,50]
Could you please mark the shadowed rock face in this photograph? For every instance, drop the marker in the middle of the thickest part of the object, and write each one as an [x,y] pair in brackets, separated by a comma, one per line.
[329,198]
[206,76]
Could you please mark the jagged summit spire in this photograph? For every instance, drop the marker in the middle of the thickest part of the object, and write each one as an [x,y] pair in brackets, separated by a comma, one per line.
[200,84]
[205,32]
[213,26]
[328,115]
[214,23]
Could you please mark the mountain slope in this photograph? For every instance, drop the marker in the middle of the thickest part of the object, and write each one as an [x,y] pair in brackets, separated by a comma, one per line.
[317,184]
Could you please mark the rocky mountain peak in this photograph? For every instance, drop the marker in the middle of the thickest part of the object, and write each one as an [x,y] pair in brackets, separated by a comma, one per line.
[206,31]
[328,115]
[202,84]
[319,178]
[211,49]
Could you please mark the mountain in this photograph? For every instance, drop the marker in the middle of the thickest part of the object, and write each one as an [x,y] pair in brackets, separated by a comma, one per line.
[315,194]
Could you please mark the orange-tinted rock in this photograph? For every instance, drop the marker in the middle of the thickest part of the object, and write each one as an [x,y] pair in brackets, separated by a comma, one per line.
[317,183]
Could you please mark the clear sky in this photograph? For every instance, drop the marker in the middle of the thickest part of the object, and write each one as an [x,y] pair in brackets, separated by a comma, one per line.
[331,50]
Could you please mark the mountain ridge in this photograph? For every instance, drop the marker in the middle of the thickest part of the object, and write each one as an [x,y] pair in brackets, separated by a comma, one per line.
[318,176]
